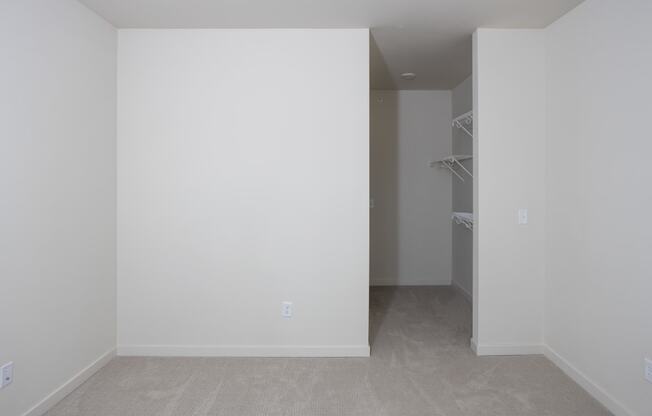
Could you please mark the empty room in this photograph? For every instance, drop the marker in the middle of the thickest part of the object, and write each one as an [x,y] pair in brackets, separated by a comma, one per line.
[325,208]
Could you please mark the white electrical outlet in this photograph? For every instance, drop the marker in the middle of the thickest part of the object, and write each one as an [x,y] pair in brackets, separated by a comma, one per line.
[7,372]
[286,309]
[522,216]
[648,369]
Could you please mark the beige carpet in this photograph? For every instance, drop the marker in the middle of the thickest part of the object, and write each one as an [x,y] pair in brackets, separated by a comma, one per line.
[421,365]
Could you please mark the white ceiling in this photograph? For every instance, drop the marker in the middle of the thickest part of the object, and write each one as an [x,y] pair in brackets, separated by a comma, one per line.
[431,38]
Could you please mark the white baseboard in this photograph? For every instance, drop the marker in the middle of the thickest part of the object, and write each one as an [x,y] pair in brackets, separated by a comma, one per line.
[465,293]
[587,384]
[244,350]
[57,395]
[485,349]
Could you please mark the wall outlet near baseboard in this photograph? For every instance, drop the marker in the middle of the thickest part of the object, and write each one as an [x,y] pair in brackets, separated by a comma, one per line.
[522,216]
[648,369]
[7,372]
[286,310]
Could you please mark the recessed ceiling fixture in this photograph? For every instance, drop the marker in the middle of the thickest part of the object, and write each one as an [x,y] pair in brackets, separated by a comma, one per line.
[408,75]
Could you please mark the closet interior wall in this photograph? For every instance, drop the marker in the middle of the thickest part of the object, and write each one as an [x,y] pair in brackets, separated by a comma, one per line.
[411,201]
[462,238]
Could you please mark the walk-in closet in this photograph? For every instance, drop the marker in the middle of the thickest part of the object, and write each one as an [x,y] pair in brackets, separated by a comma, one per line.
[421,212]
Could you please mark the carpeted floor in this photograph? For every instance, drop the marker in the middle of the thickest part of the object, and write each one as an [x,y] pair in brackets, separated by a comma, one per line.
[421,365]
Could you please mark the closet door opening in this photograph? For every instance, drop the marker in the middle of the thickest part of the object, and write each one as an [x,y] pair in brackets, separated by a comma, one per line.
[421,219]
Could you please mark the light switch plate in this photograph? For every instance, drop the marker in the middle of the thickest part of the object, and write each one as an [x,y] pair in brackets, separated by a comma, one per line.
[7,372]
[648,369]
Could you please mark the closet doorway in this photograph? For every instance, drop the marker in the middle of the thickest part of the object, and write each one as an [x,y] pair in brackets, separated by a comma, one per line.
[421,221]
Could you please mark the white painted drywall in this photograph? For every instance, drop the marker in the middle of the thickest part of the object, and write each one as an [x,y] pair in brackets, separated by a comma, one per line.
[411,218]
[598,279]
[462,263]
[509,144]
[57,210]
[243,182]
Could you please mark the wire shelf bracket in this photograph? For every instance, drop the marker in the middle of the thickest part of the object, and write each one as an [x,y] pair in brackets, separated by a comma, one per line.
[452,162]
[464,218]
[465,122]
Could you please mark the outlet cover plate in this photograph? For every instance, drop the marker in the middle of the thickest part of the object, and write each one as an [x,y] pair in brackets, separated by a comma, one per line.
[286,310]
[522,216]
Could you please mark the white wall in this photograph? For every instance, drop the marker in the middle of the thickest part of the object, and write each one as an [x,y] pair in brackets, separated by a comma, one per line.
[411,218]
[462,260]
[598,282]
[57,176]
[509,144]
[242,183]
